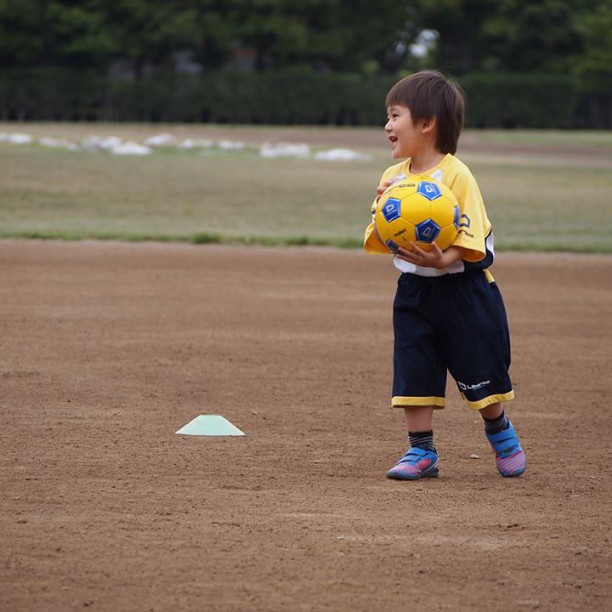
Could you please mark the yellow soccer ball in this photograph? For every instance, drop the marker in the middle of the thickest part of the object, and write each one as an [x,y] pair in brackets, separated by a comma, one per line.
[419,210]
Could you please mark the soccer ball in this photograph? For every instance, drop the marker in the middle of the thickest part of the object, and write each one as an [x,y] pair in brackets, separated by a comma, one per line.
[419,210]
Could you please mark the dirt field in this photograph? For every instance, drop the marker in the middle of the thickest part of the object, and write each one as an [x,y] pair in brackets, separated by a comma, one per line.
[107,349]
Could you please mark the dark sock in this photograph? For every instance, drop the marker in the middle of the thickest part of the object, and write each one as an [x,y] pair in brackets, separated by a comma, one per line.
[494,426]
[422,439]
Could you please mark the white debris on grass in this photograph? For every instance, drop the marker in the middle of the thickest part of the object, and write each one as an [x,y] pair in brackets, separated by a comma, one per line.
[161,140]
[190,143]
[284,149]
[131,148]
[21,138]
[117,146]
[58,143]
[97,143]
[341,155]
[231,145]
[16,138]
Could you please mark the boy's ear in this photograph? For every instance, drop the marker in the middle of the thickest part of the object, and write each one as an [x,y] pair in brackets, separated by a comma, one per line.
[428,125]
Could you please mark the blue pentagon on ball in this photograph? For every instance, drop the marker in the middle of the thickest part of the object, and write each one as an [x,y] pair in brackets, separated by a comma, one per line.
[427,231]
[428,190]
[391,210]
[392,246]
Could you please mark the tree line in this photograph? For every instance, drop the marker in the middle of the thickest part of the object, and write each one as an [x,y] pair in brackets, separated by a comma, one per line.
[311,39]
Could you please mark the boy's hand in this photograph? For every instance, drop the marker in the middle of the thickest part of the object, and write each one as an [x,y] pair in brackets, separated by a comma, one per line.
[430,259]
[384,186]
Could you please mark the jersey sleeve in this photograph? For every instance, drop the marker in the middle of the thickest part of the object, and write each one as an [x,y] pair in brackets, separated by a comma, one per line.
[371,242]
[474,226]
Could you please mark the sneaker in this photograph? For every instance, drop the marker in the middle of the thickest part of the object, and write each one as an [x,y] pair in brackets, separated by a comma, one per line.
[416,463]
[509,455]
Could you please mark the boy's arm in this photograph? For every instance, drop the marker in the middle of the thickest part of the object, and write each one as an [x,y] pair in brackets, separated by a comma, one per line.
[435,258]
[471,242]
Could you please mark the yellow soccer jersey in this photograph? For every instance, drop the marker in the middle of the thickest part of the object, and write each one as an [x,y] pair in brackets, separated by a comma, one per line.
[475,235]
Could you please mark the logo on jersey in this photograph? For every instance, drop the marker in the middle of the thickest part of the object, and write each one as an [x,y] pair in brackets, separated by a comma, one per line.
[457,217]
[464,224]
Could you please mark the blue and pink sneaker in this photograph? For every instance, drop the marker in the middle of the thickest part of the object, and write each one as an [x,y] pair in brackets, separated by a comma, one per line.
[509,455]
[416,463]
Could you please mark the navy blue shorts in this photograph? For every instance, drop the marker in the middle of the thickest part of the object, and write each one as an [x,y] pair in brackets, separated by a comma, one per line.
[455,322]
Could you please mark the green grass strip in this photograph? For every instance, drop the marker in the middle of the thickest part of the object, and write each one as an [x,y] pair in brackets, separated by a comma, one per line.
[277,241]
[199,238]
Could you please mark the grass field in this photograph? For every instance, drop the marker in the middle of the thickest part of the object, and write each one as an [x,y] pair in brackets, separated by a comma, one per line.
[543,190]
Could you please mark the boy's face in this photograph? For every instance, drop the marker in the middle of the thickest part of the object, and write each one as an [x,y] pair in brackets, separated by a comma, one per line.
[405,137]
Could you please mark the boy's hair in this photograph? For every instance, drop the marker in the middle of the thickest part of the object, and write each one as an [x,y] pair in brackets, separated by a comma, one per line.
[430,94]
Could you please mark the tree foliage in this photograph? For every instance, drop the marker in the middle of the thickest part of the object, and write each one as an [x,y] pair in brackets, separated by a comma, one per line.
[310,35]
[78,48]
[510,35]
[595,64]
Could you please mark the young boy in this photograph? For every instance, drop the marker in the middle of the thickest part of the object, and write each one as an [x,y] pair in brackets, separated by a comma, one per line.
[448,312]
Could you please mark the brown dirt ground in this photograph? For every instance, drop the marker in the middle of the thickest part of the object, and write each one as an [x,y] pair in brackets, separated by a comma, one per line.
[107,349]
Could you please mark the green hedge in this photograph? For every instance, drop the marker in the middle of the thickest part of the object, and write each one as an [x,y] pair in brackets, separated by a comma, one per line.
[510,100]
[494,100]
[51,94]
[271,98]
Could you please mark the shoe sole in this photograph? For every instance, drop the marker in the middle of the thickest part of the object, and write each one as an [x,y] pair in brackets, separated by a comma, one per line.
[430,472]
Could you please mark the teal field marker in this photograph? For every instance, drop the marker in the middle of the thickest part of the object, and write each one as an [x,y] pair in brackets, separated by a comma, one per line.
[210,425]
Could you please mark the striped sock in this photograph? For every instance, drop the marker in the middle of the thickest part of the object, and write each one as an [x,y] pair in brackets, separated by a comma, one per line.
[494,426]
[422,439]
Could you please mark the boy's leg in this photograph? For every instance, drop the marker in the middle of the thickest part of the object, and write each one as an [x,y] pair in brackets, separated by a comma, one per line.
[492,412]
[421,460]
[477,338]
[419,375]
[419,370]
[419,418]
[478,353]
[509,455]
